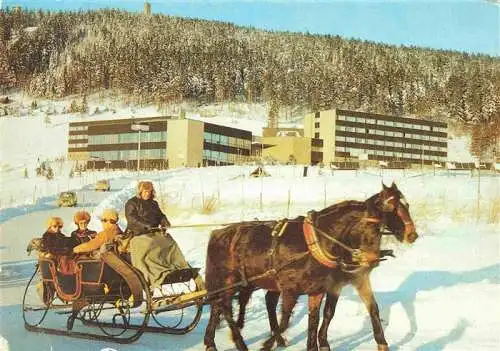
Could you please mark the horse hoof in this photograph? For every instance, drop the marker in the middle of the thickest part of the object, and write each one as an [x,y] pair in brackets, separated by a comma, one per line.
[281,341]
[382,348]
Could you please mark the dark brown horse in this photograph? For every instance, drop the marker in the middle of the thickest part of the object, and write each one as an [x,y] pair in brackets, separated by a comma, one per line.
[321,253]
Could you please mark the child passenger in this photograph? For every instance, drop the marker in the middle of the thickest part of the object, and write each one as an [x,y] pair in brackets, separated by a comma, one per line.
[53,240]
[82,234]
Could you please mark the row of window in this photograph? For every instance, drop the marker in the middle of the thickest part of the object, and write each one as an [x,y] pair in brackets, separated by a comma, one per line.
[357,152]
[368,120]
[126,138]
[390,133]
[74,128]
[391,143]
[221,156]
[78,136]
[79,145]
[227,140]
[125,155]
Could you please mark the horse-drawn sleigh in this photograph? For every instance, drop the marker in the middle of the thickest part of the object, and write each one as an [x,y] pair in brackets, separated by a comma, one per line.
[316,255]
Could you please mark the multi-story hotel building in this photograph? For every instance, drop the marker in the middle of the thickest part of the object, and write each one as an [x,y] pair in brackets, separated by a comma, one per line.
[351,135]
[166,143]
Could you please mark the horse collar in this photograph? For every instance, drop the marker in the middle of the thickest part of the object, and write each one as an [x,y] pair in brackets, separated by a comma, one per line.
[314,248]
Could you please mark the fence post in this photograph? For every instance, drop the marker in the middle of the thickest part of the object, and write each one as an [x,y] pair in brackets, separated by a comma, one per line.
[261,190]
[324,199]
[34,195]
[288,203]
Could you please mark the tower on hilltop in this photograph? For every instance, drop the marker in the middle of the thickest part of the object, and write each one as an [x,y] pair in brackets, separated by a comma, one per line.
[147,8]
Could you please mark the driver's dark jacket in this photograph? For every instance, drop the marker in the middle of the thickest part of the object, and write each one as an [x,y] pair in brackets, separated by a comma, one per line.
[143,215]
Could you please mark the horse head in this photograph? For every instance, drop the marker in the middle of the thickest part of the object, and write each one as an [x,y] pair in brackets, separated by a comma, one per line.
[395,212]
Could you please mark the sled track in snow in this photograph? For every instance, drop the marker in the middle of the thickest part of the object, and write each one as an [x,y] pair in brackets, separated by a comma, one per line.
[16,273]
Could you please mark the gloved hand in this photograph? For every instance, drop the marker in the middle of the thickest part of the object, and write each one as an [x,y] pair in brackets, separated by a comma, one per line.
[165,223]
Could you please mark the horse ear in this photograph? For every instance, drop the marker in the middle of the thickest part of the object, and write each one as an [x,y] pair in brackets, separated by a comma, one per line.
[384,187]
[393,186]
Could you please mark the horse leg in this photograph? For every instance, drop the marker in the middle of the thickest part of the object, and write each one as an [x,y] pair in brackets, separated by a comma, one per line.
[289,301]
[364,290]
[272,298]
[314,303]
[328,313]
[227,310]
[243,299]
[209,340]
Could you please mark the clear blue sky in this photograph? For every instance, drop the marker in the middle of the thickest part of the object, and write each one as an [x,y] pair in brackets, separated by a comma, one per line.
[464,25]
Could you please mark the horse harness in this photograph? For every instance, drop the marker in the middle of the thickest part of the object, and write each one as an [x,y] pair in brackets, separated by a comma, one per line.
[311,231]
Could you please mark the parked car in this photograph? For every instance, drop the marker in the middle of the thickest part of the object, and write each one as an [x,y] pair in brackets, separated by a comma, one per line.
[67,199]
[102,185]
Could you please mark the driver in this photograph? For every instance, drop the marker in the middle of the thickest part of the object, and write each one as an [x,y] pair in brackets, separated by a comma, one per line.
[153,252]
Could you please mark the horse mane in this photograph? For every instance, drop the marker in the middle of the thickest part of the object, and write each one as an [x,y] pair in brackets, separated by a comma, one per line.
[338,209]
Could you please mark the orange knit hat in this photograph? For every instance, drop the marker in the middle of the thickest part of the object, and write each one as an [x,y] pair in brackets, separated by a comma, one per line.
[81,216]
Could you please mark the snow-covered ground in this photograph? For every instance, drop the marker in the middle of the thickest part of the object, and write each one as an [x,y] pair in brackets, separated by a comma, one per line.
[440,293]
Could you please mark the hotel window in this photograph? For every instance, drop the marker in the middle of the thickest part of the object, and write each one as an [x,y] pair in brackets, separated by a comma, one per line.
[316,135]
[399,124]
[370,121]
[360,130]
[351,119]
[387,133]
[342,128]
[350,129]
[351,140]
[360,140]
[426,127]
[360,120]
[379,142]
[370,141]
[339,148]
[341,118]
[224,140]
[389,123]
[398,144]
[389,143]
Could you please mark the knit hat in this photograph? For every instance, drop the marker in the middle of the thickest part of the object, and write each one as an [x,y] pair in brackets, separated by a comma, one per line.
[110,213]
[81,216]
[53,221]
[145,185]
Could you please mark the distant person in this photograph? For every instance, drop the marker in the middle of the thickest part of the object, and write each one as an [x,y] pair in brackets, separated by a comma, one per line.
[110,230]
[153,251]
[53,240]
[82,234]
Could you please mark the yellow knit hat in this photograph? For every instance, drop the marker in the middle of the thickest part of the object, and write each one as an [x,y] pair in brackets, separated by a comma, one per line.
[110,213]
[53,221]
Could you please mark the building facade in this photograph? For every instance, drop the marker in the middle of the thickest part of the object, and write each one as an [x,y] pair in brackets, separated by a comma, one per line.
[166,143]
[351,136]
[115,144]
[289,145]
